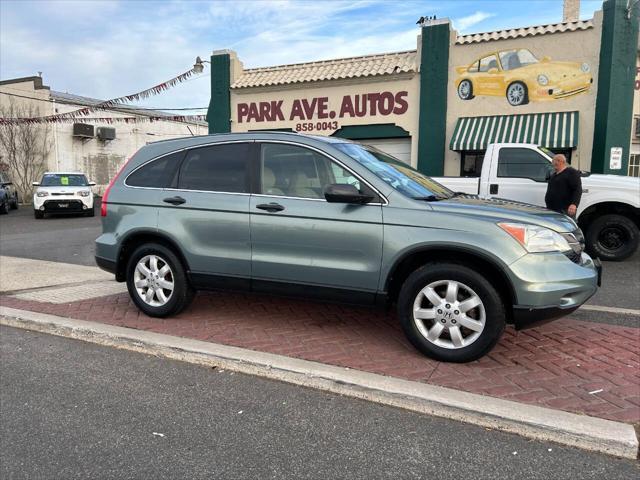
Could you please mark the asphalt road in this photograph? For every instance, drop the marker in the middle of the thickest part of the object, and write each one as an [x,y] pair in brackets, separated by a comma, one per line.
[70,409]
[70,240]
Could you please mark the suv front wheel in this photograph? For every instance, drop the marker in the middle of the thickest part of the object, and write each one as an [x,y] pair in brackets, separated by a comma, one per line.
[157,281]
[450,312]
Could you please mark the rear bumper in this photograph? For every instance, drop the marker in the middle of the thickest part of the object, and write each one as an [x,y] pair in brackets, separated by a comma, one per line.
[106,265]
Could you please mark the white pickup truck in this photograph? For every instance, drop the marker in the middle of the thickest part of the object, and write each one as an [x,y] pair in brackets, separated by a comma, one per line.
[608,214]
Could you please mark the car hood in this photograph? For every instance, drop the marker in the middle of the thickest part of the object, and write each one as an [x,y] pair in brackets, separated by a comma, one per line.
[613,182]
[552,69]
[498,209]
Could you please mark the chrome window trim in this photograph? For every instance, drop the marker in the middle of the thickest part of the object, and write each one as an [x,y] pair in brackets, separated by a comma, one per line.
[284,142]
[333,159]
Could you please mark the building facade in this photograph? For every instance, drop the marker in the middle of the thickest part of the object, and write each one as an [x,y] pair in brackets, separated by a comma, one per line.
[96,148]
[567,86]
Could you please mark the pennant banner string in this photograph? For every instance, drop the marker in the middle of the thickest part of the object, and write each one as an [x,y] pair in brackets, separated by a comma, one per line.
[82,113]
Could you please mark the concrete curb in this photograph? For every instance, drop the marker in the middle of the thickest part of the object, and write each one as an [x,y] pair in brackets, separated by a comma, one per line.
[588,433]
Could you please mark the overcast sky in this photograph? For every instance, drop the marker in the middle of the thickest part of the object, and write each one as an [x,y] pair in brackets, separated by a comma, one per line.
[107,49]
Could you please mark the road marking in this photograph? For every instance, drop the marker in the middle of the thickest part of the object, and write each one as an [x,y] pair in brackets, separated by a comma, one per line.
[599,308]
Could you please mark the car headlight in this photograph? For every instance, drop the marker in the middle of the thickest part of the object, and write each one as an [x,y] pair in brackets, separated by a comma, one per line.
[536,239]
[42,194]
[585,67]
[83,193]
[543,80]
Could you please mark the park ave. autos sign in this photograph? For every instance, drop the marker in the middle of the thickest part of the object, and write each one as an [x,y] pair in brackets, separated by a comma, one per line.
[322,113]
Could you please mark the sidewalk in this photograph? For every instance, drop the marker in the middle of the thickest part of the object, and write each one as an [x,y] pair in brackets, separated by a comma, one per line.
[571,365]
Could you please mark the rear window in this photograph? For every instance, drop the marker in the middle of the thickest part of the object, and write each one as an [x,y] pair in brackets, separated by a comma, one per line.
[158,173]
[218,168]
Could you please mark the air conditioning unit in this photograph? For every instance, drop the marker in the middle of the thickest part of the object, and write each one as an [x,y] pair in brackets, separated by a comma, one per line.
[83,130]
[106,133]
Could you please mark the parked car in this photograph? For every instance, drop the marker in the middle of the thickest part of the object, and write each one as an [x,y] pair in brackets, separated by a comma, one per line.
[5,201]
[63,193]
[520,77]
[332,219]
[609,212]
[10,197]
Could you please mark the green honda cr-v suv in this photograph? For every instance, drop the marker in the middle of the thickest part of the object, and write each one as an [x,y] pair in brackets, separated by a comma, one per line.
[333,219]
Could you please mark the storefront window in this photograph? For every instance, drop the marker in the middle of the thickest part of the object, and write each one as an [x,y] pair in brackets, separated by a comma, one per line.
[471,164]
[634,165]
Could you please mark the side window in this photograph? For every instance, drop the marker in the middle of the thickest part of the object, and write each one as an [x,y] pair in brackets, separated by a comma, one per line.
[523,163]
[158,173]
[292,171]
[218,168]
[487,63]
[474,67]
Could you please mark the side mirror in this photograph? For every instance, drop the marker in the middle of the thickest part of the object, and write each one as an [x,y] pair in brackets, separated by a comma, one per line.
[92,184]
[547,176]
[36,184]
[345,193]
[493,71]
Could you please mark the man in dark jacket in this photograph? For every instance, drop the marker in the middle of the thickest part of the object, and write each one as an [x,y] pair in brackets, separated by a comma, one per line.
[564,188]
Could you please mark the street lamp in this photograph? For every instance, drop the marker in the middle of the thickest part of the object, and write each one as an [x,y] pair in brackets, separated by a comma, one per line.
[198,67]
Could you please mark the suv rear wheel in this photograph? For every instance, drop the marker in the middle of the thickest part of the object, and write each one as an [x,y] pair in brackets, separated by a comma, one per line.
[157,281]
[450,312]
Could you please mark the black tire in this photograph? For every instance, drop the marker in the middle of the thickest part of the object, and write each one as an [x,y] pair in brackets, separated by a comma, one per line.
[520,100]
[612,237]
[182,294]
[495,315]
[91,212]
[14,204]
[461,90]
[4,208]
[38,214]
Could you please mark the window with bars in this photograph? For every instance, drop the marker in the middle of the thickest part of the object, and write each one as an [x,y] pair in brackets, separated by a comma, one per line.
[634,165]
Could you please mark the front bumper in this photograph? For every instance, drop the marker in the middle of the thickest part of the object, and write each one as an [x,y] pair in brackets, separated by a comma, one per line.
[549,286]
[63,203]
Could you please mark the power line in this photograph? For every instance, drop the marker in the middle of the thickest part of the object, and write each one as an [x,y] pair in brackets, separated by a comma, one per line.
[123,107]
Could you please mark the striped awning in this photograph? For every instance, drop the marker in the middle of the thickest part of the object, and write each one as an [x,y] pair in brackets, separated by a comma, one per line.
[551,130]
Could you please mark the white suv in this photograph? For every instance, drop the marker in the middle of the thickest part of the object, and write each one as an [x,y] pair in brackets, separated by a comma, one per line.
[60,192]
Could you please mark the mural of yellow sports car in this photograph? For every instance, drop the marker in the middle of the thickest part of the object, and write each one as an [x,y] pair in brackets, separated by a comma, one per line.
[521,77]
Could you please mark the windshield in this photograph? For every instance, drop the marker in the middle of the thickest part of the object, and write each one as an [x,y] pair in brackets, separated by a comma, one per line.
[400,176]
[64,180]
[513,59]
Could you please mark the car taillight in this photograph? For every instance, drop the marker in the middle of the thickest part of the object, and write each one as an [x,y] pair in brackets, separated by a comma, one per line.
[105,196]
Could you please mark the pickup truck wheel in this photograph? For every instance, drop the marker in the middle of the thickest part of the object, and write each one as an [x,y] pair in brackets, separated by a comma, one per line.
[612,237]
[465,90]
[4,208]
[157,281]
[450,312]
[517,94]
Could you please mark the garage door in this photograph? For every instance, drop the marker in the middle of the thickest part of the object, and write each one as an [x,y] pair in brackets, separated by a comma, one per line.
[396,147]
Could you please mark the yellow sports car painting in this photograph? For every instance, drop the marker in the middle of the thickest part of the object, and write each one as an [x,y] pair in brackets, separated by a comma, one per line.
[521,77]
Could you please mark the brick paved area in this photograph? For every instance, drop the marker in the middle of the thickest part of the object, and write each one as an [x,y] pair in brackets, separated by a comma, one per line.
[556,365]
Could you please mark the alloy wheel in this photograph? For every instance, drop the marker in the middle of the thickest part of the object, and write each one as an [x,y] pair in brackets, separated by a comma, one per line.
[516,94]
[154,280]
[449,314]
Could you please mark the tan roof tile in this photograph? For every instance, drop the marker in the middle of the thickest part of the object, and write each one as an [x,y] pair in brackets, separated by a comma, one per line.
[365,66]
[525,32]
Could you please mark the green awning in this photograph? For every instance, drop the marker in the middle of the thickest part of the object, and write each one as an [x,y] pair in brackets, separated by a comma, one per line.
[551,130]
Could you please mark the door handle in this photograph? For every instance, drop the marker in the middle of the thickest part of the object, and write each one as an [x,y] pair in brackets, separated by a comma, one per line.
[270,207]
[493,188]
[174,200]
